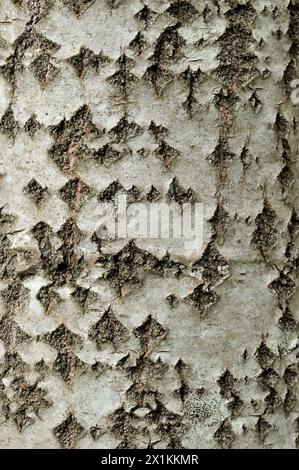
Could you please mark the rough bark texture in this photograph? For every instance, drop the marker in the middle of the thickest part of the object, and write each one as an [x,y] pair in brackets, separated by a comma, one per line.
[112,345]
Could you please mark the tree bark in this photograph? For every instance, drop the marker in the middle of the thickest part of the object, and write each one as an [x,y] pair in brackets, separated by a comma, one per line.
[132,343]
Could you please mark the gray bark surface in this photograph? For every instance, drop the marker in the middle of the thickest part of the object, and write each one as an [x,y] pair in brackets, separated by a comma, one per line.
[105,344]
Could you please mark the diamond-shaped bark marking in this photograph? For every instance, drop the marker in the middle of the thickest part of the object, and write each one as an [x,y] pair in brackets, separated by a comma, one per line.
[17,3]
[71,265]
[69,431]
[263,427]
[225,102]
[8,125]
[246,158]
[32,39]
[168,45]
[158,77]
[150,333]
[43,69]
[87,60]
[66,155]
[32,126]
[157,130]
[286,178]
[202,298]
[29,400]
[123,79]
[41,367]
[48,297]
[74,192]
[219,221]
[70,233]
[272,400]
[125,130]
[62,339]
[78,126]
[44,43]
[124,62]
[153,194]
[107,154]
[235,405]
[282,129]
[290,401]
[134,194]
[123,422]
[293,225]
[184,390]
[287,322]
[141,373]
[265,236]
[182,10]
[284,287]
[67,365]
[11,68]
[98,368]
[109,193]
[14,295]
[166,153]
[78,7]
[50,258]
[212,265]
[255,102]
[192,78]
[72,262]
[10,333]
[71,137]
[178,194]
[226,383]
[222,155]
[107,330]
[290,375]
[166,266]
[81,295]
[225,435]
[268,378]
[95,432]
[13,362]
[35,191]
[264,356]
[289,75]
[170,425]
[238,63]
[145,15]
[138,43]
[124,268]
[180,367]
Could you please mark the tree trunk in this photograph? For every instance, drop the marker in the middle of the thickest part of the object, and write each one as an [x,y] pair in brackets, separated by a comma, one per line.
[108,343]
